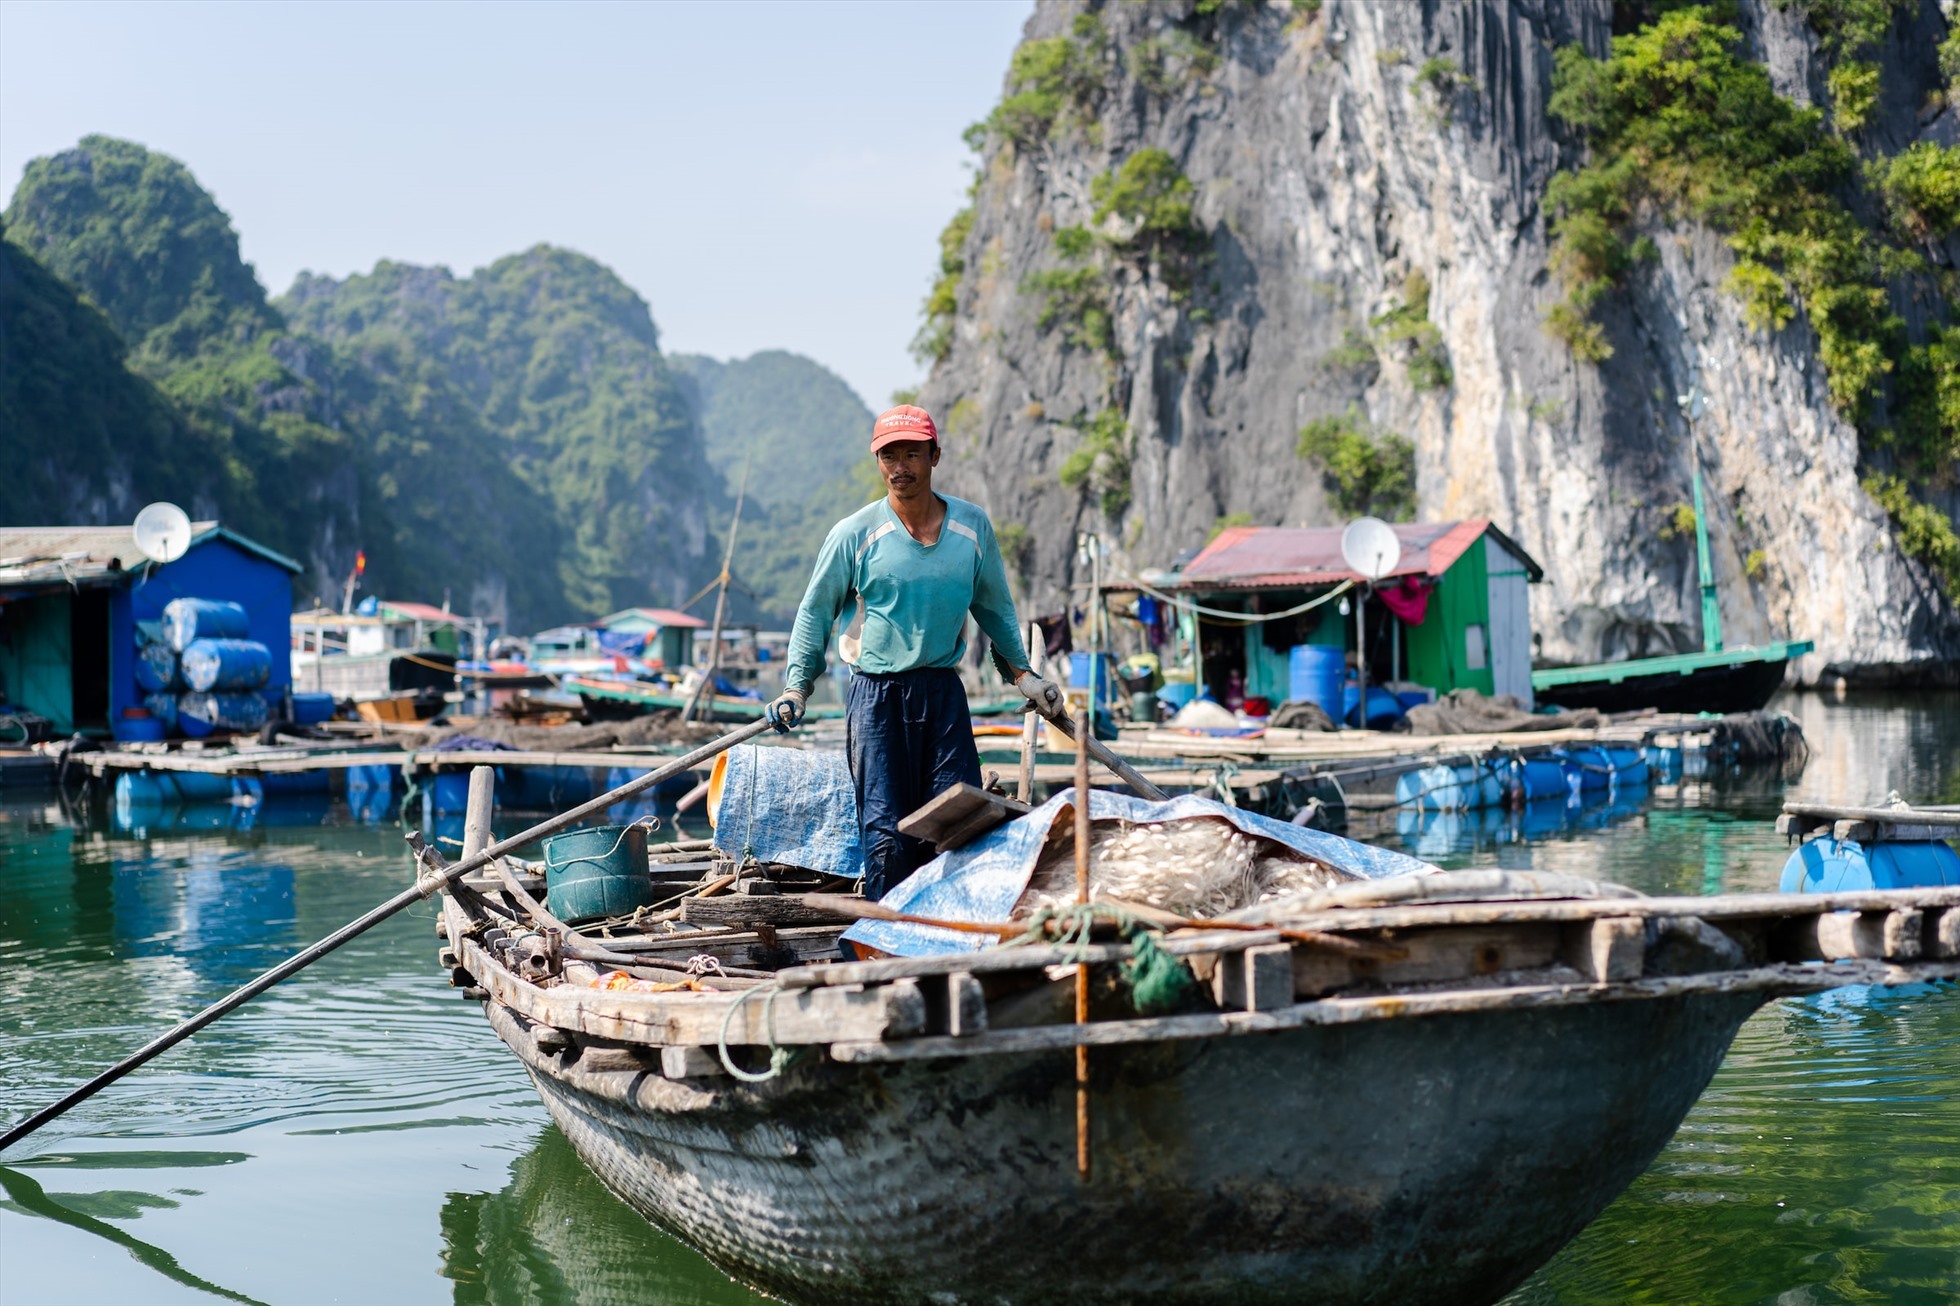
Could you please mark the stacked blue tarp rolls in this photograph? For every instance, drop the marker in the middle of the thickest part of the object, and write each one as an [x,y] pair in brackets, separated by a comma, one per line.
[188,620]
[985,879]
[226,664]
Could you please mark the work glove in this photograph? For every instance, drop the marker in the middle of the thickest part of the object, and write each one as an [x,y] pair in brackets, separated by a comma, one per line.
[787,710]
[1046,695]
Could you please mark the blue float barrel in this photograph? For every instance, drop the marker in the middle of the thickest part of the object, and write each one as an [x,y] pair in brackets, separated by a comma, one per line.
[1826,865]
[198,714]
[1384,708]
[226,664]
[163,707]
[1313,675]
[311,709]
[156,668]
[186,620]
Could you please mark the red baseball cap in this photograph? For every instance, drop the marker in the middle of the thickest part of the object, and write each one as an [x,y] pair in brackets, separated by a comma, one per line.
[902,423]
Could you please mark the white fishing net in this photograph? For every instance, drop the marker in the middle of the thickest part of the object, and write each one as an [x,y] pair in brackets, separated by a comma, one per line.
[1202,867]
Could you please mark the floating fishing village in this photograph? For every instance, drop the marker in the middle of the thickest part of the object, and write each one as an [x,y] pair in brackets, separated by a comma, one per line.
[1381,724]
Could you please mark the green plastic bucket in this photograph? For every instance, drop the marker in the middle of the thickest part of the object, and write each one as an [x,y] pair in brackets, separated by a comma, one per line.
[597,872]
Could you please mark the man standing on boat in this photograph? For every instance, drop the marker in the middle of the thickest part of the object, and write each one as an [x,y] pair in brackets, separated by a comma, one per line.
[915,563]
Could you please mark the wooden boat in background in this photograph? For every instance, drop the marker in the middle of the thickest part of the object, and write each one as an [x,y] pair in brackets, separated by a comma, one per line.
[1715,680]
[1398,1090]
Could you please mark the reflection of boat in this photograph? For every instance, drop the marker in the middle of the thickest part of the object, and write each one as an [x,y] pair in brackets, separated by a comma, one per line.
[1423,1119]
[555,1234]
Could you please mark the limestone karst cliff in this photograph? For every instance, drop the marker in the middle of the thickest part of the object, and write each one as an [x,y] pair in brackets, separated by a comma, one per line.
[1198,228]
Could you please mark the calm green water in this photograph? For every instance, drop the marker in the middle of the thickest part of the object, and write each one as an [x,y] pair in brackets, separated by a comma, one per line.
[359,1135]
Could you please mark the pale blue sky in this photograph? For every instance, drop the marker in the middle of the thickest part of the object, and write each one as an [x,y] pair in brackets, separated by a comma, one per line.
[766,175]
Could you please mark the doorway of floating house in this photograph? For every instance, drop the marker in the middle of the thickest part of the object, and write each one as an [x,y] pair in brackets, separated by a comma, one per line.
[88,644]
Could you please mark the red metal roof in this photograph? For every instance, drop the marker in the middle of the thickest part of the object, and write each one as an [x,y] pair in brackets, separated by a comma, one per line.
[421,612]
[1253,557]
[666,617]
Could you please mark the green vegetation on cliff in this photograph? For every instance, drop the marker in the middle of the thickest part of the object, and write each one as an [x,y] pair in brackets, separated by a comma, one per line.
[75,418]
[1682,124]
[136,236]
[559,359]
[512,440]
[1367,471]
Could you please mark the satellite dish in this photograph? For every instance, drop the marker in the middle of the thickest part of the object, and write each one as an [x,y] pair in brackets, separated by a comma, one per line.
[1370,546]
[163,532]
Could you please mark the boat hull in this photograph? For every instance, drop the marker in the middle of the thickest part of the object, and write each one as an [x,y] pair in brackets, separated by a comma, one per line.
[1439,1158]
[1743,687]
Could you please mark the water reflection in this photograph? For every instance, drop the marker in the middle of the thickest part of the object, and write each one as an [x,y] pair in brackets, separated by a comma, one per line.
[554,1234]
[363,1097]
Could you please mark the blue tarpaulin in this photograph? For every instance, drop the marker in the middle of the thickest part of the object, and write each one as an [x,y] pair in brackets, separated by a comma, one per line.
[983,881]
[791,806]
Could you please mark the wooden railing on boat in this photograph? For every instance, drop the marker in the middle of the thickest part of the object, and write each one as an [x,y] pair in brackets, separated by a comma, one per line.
[1440,957]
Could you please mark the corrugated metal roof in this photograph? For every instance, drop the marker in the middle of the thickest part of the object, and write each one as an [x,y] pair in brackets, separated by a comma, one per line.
[1253,557]
[419,612]
[658,616]
[80,555]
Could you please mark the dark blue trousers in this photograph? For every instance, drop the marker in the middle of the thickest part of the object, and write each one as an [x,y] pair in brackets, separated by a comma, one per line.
[909,736]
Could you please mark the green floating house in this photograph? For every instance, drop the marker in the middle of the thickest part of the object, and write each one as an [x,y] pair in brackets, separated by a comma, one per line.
[1456,614]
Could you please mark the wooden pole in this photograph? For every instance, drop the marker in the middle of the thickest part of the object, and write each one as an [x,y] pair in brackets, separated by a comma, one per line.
[1082,970]
[476,816]
[1031,723]
[427,883]
[707,684]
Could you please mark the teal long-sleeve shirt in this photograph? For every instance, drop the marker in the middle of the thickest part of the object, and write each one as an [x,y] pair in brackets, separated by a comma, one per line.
[911,599]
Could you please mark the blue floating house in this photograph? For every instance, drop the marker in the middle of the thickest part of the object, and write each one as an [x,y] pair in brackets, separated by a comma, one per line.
[74,601]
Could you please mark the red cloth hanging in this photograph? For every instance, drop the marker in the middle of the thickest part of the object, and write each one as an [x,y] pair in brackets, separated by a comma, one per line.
[1407,599]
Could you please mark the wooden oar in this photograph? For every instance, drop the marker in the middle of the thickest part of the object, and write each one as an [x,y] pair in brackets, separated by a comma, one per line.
[1107,756]
[427,883]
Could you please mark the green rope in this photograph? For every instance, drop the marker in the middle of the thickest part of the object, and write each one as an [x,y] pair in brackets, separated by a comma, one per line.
[1159,983]
[780,1058]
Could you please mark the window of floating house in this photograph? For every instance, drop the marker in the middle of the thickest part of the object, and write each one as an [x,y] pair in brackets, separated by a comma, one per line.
[1475,656]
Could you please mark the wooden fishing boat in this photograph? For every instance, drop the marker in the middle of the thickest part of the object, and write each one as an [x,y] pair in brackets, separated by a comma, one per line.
[1719,680]
[1398,1090]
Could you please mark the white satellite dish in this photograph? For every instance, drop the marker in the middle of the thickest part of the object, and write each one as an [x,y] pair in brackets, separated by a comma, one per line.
[163,532]
[1370,546]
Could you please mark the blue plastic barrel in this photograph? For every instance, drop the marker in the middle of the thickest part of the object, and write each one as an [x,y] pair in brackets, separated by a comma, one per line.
[312,709]
[1532,779]
[1384,709]
[144,789]
[1828,865]
[227,664]
[199,787]
[449,793]
[1313,675]
[1442,788]
[1102,666]
[188,620]
[163,707]
[199,714]
[140,729]
[156,668]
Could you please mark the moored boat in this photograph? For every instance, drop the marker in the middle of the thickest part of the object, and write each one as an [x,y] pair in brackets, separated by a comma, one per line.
[1414,1088]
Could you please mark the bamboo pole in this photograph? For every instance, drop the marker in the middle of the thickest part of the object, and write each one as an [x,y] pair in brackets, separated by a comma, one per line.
[1082,970]
[427,883]
[707,684]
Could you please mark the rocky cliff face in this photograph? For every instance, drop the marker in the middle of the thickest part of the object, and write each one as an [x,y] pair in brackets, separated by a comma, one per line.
[1367,240]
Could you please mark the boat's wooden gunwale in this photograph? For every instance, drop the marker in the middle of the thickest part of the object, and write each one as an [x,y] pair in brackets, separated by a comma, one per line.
[1774,981]
[1455,957]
